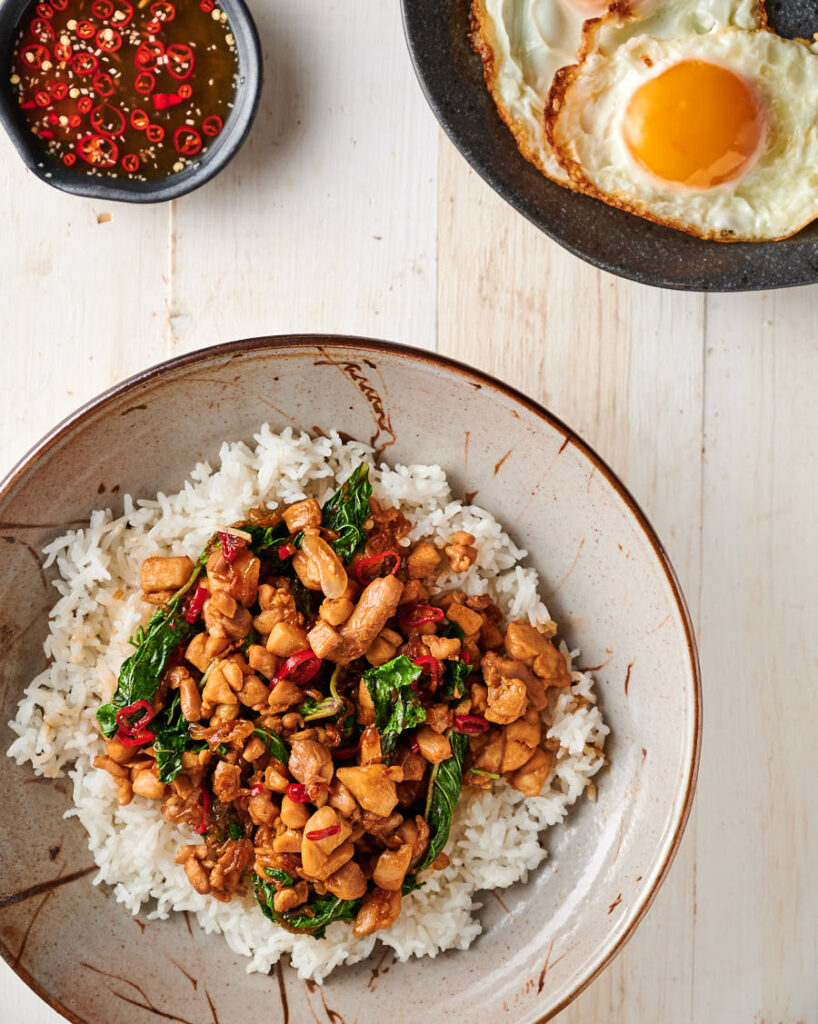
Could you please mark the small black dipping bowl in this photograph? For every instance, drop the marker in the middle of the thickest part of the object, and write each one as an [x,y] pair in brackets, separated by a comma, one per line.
[451,76]
[218,154]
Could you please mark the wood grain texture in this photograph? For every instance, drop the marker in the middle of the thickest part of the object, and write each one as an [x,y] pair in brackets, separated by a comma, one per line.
[347,211]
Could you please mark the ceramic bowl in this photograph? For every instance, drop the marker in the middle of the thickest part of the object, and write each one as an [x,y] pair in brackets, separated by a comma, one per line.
[607,580]
[215,158]
[451,76]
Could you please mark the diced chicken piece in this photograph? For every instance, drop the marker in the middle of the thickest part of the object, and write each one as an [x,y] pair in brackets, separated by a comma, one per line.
[391,868]
[303,514]
[524,641]
[423,560]
[469,621]
[324,640]
[441,647]
[289,898]
[316,852]
[416,834]
[283,695]
[285,640]
[372,787]
[226,781]
[376,605]
[196,652]
[498,671]
[310,762]
[163,574]
[530,778]
[507,701]
[263,661]
[348,883]
[217,689]
[219,625]
[341,799]
[434,747]
[335,610]
[380,909]
[552,668]
[461,552]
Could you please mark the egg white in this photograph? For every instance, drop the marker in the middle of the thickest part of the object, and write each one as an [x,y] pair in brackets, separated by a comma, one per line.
[524,43]
[775,196]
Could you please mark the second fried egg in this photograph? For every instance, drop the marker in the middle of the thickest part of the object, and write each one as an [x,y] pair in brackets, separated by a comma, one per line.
[712,134]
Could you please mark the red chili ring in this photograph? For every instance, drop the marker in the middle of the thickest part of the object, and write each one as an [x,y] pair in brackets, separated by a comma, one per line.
[102,9]
[426,613]
[144,83]
[39,54]
[44,10]
[140,121]
[155,132]
[299,669]
[69,159]
[104,84]
[146,736]
[130,163]
[202,827]
[123,8]
[180,61]
[63,51]
[164,10]
[323,833]
[84,63]
[211,125]
[42,99]
[471,725]
[86,29]
[124,716]
[185,90]
[190,145]
[42,30]
[84,104]
[298,793]
[426,661]
[108,43]
[374,560]
[74,120]
[256,790]
[59,90]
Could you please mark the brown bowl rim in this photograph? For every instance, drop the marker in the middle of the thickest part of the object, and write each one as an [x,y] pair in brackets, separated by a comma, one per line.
[375,346]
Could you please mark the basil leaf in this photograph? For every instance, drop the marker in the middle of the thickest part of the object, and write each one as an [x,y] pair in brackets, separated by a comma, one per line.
[444,792]
[452,631]
[346,512]
[411,884]
[453,684]
[311,710]
[275,744]
[397,706]
[265,537]
[311,918]
[235,830]
[172,732]
[280,876]
[106,716]
[479,771]
[251,638]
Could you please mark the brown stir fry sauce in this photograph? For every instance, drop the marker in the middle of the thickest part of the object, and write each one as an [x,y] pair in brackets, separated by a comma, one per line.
[317,718]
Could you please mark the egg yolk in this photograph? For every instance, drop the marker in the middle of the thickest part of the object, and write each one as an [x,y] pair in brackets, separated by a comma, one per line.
[696,124]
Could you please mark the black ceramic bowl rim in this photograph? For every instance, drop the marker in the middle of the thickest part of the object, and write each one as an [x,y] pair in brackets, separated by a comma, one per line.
[218,154]
[451,77]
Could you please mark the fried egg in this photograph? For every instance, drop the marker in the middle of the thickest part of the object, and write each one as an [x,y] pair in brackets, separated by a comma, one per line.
[524,43]
[712,134]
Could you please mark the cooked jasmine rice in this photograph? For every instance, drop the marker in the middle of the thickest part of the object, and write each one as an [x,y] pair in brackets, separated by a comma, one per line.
[497,835]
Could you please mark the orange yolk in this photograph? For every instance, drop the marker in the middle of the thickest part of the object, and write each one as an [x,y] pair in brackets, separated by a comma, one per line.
[695,124]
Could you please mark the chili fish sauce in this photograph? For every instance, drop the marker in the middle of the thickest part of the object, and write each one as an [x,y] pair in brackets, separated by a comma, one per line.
[123,89]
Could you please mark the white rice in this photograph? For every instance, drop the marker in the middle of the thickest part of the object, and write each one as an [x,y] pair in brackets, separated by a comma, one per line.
[496,837]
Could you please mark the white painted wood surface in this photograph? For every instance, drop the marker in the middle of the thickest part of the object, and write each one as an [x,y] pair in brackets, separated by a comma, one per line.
[349,212]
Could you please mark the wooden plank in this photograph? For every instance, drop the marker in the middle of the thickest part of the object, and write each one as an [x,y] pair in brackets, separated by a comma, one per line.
[756,936]
[326,221]
[623,364]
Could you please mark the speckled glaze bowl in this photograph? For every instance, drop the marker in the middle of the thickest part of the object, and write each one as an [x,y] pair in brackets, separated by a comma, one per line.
[608,582]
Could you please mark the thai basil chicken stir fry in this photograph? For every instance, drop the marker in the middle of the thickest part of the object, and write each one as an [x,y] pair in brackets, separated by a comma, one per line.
[302,703]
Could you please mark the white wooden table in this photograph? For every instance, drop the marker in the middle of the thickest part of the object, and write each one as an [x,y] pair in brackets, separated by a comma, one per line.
[349,212]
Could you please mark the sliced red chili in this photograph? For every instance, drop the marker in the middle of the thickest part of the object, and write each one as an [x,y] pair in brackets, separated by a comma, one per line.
[43,31]
[59,90]
[84,104]
[42,99]
[202,593]
[179,61]
[35,54]
[211,125]
[204,824]
[145,736]
[130,163]
[86,29]
[163,10]
[98,151]
[298,793]
[286,551]
[84,63]
[139,119]
[107,120]
[149,52]
[207,5]
[102,9]
[126,721]
[373,560]
[69,159]
[144,83]
[344,753]
[155,132]
[471,725]
[410,616]
[46,133]
[123,12]
[185,91]
[256,790]
[230,546]
[63,50]
[300,668]
[74,120]
[323,833]
[44,10]
[104,84]
[465,657]
[163,100]
[431,666]
[187,141]
[153,26]
[108,40]
[414,746]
